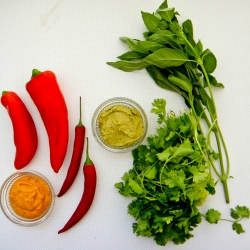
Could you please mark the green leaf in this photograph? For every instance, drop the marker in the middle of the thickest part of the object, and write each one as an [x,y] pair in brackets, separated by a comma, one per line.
[243,211]
[184,149]
[164,5]
[234,214]
[151,21]
[126,176]
[162,81]
[197,175]
[149,46]
[182,82]
[188,30]
[165,155]
[209,61]
[131,55]
[119,185]
[151,173]
[183,222]
[213,216]
[176,179]
[168,219]
[213,82]
[128,66]
[161,58]
[162,37]
[142,225]
[238,228]
[198,48]
[159,106]
[167,14]
[166,57]
[135,186]
[143,47]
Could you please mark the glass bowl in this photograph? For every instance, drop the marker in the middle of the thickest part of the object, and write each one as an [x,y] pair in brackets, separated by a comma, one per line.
[6,204]
[107,105]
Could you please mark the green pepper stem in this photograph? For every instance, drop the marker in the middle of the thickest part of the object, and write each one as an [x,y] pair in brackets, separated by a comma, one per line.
[4,92]
[80,120]
[88,161]
[35,72]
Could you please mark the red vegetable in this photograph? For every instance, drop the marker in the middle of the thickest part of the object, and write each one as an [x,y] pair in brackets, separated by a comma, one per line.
[24,130]
[87,196]
[48,98]
[76,156]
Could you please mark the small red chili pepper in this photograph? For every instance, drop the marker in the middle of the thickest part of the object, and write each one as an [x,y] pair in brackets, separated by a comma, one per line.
[76,156]
[48,98]
[88,193]
[24,130]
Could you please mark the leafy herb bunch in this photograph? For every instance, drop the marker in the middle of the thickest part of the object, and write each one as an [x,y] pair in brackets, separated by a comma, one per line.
[169,179]
[176,62]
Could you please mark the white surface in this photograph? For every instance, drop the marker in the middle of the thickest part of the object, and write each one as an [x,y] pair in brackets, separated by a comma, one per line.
[75,41]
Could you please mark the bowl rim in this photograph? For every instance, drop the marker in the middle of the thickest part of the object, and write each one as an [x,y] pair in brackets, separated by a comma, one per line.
[6,207]
[114,102]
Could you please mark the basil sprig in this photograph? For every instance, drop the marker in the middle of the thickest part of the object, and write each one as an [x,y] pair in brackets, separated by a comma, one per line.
[176,62]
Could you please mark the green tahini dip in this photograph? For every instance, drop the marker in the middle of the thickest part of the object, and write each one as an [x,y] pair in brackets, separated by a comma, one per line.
[121,126]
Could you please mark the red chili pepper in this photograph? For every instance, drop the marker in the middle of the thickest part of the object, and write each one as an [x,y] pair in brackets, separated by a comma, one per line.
[87,196]
[48,98]
[76,156]
[24,130]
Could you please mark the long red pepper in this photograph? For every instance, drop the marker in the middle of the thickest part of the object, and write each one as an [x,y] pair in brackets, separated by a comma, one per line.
[24,130]
[76,156]
[88,193]
[45,92]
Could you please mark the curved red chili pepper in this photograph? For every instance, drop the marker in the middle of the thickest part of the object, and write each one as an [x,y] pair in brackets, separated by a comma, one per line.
[87,196]
[48,98]
[76,156]
[25,134]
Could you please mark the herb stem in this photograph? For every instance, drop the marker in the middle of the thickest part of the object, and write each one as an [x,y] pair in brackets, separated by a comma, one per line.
[223,177]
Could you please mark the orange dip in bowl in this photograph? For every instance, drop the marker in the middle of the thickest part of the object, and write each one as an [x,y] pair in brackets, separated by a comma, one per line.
[30,197]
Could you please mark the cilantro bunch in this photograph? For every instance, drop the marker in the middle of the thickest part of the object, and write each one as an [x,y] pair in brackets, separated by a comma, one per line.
[178,63]
[170,179]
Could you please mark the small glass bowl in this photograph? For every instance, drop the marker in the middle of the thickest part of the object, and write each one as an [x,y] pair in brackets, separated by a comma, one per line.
[111,103]
[7,208]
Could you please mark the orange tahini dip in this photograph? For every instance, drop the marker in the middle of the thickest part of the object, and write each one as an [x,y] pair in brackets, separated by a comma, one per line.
[30,197]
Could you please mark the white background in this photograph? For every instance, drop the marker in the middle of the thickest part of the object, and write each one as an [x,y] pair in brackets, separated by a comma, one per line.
[75,41]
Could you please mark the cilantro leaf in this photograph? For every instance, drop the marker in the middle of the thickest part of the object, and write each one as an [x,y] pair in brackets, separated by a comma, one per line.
[135,186]
[184,149]
[213,216]
[243,211]
[238,228]
[176,179]
[159,107]
[197,175]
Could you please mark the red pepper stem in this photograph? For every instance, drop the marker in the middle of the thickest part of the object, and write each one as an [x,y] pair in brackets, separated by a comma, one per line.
[80,120]
[35,72]
[88,160]
[4,92]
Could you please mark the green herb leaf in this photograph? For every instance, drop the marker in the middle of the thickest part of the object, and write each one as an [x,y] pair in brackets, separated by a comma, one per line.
[167,14]
[128,66]
[188,30]
[213,216]
[182,83]
[238,228]
[209,61]
[131,55]
[151,21]
[166,57]
[135,186]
